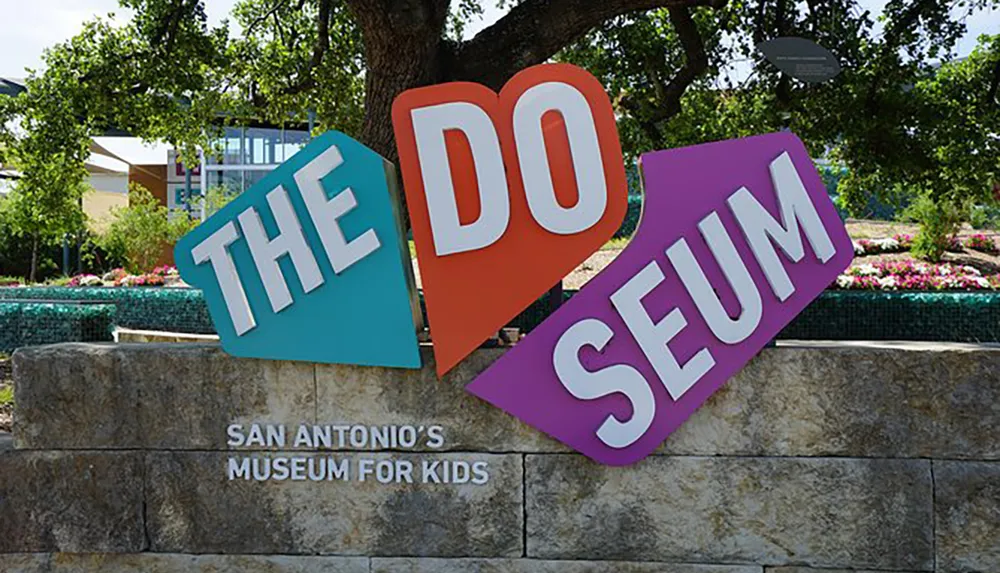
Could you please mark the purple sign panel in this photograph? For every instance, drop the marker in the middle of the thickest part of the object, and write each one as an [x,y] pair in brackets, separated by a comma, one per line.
[736,238]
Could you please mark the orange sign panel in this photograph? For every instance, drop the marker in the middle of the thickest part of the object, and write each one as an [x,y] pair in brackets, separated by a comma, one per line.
[507,194]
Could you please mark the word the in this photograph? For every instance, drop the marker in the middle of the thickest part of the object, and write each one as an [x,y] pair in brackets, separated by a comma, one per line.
[307,264]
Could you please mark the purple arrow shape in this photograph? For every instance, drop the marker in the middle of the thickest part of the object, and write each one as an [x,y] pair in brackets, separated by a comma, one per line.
[736,238]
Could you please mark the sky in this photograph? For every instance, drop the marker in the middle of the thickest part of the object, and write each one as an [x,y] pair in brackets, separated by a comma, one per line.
[31,26]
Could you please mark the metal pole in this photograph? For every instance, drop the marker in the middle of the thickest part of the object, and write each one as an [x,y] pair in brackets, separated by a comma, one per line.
[79,253]
[187,190]
[65,265]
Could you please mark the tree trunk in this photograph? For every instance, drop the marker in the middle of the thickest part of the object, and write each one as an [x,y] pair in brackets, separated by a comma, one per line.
[32,275]
[404,49]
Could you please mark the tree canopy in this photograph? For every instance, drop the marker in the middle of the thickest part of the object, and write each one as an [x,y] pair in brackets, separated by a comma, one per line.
[901,112]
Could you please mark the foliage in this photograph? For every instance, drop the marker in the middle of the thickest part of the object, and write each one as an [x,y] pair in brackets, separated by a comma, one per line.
[939,223]
[944,143]
[216,198]
[984,216]
[34,217]
[16,249]
[893,117]
[140,232]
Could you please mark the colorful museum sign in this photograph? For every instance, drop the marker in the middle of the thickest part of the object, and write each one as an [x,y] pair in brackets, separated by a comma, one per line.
[507,194]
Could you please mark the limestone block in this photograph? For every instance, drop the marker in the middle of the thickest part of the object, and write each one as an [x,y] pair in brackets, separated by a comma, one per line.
[173,563]
[193,507]
[190,393]
[967,511]
[24,562]
[812,570]
[71,501]
[411,565]
[848,513]
[69,396]
[384,396]
[855,401]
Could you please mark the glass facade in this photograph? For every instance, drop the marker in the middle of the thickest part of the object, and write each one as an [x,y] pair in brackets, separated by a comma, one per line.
[245,155]
[256,146]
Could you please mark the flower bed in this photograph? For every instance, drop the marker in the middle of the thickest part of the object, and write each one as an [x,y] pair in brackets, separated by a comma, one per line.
[982,243]
[160,276]
[914,276]
[899,243]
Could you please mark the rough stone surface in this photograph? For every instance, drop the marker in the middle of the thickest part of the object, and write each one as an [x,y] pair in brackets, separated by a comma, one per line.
[71,501]
[873,514]
[967,510]
[381,396]
[410,565]
[813,570]
[24,562]
[173,563]
[190,393]
[853,401]
[69,396]
[192,507]
[811,401]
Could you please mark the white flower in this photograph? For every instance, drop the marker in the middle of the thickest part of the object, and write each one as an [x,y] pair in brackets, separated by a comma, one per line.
[889,244]
[944,269]
[887,283]
[922,268]
[91,280]
[983,283]
[972,271]
[859,249]
[866,269]
[844,281]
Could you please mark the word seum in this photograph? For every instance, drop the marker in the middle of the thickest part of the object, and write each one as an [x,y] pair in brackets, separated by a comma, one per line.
[507,193]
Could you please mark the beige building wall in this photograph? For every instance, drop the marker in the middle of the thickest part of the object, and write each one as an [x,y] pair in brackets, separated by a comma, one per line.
[108,191]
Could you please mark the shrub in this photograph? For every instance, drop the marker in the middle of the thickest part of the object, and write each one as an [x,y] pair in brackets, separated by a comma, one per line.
[979,218]
[140,232]
[939,223]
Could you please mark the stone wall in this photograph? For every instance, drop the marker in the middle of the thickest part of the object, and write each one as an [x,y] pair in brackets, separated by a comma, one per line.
[814,459]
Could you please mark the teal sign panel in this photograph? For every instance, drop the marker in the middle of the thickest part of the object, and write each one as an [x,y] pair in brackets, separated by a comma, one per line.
[310,263]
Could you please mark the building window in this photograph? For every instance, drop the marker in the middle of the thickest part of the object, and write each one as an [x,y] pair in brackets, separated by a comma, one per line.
[248,154]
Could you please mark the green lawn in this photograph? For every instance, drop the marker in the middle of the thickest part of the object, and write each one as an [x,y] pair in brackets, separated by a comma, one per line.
[6,395]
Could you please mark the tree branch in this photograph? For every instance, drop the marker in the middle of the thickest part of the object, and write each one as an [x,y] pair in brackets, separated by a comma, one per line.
[534,30]
[260,19]
[308,80]
[669,96]
[891,42]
